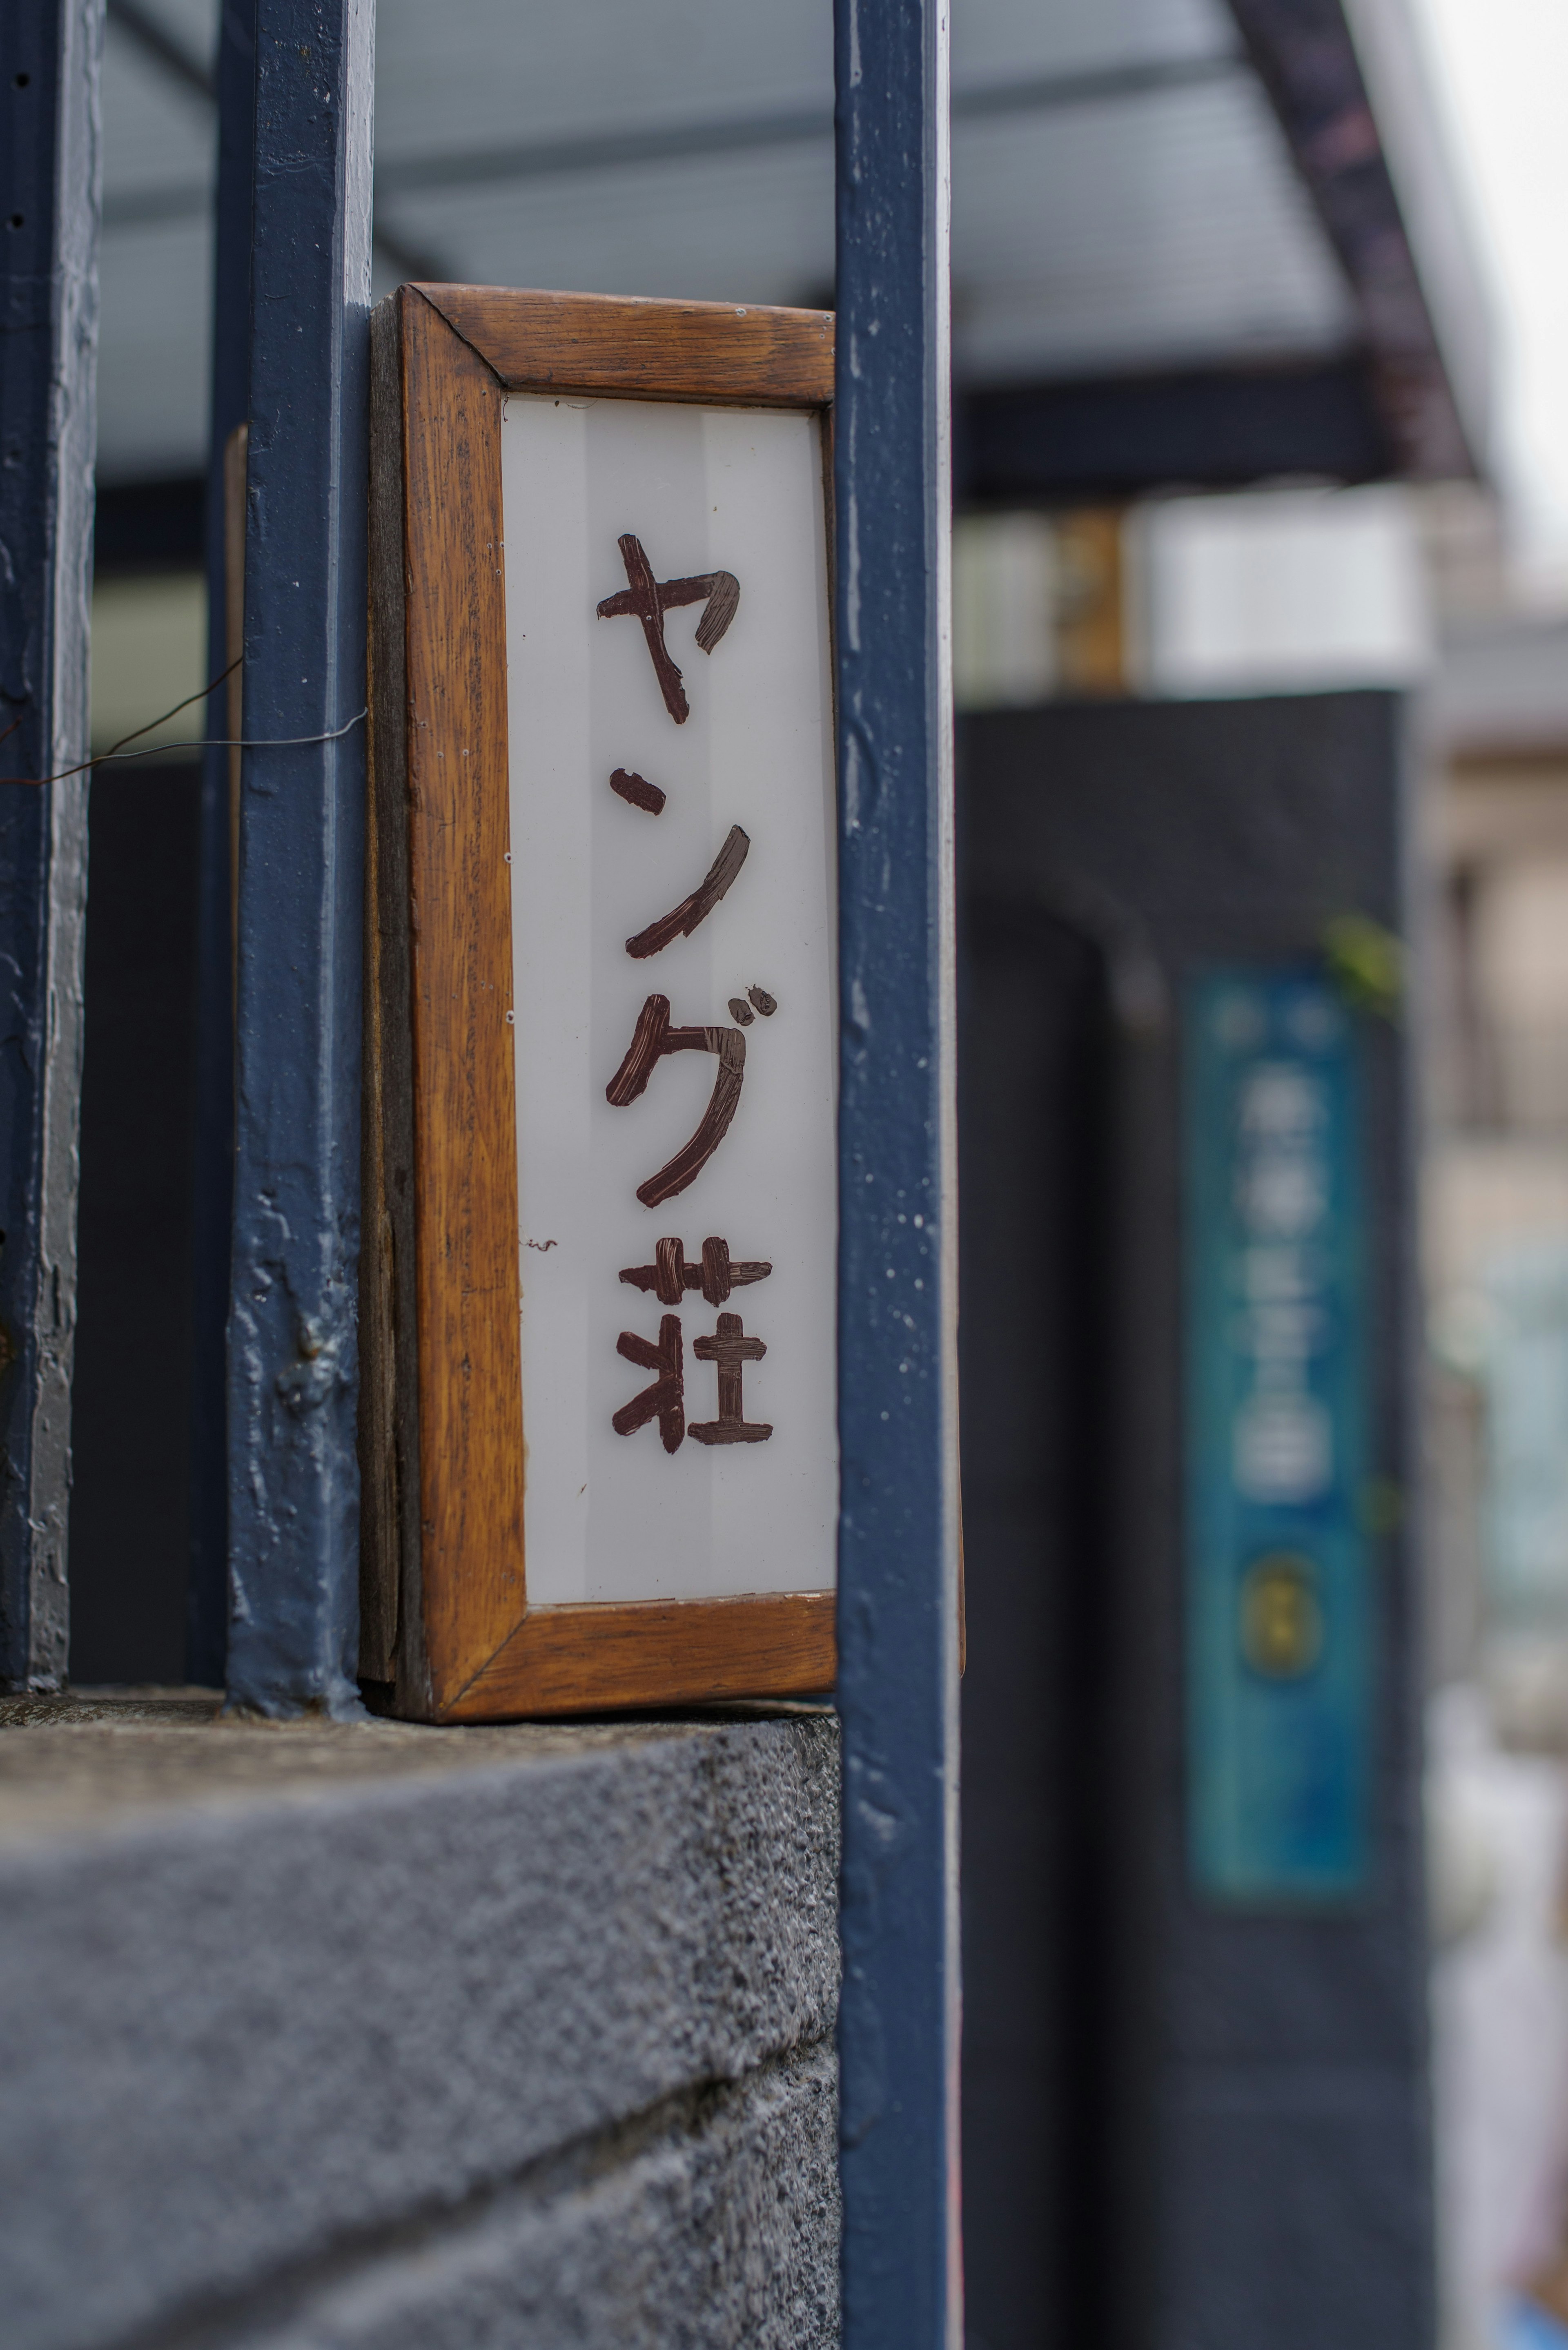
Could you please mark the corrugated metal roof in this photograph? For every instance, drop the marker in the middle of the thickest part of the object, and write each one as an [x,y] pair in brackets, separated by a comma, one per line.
[1122,195]
[1154,232]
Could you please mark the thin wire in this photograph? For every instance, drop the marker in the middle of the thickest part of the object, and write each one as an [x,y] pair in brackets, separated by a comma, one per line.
[116,748]
[200,742]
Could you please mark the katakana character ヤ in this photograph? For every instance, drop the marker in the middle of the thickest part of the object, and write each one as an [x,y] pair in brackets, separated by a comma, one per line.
[647,600]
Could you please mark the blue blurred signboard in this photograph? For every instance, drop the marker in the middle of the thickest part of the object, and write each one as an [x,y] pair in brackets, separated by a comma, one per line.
[1278,1599]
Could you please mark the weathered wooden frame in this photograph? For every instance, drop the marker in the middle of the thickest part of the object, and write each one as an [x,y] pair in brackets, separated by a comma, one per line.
[446,1630]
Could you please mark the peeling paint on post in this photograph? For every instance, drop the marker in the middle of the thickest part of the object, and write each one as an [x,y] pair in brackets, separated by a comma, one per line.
[50,182]
[294,1494]
[898,1614]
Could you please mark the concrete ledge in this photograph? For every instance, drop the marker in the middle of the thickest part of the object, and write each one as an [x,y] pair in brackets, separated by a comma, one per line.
[711,2224]
[265,2008]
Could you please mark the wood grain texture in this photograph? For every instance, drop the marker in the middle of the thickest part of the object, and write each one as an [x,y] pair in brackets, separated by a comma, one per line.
[388,1398]
[721,353]
[465,1132]
[442,1452]
[656,1652]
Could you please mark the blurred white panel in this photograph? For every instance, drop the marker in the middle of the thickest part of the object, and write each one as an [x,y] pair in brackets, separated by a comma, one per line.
[149,645]
[1004,610]
[1282,591]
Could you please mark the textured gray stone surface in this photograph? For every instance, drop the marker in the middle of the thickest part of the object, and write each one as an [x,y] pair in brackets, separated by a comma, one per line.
[239,2037]
[720,2229]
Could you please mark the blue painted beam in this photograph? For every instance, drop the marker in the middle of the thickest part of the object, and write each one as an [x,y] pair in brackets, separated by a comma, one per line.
[234,87]
[898,1561]
[50,182]
[294,1492]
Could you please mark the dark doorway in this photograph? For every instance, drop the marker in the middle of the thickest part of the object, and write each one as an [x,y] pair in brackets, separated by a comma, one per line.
[1187,2121]
[129,1531]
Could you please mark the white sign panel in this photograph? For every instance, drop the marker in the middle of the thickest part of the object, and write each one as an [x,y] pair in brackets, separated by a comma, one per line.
[672,898]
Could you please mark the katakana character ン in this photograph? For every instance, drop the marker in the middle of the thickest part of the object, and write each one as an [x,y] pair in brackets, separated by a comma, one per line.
[731,1349]
[670,1276]
[650,1040]
[683,919]
[638,792]
[665,1400]
[647,600]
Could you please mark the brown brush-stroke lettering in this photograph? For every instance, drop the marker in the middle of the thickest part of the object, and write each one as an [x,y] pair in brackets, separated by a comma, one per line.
[641,597]
[665,1398]
[637,790]
[683,919]
[670,1275]
[721,1273]
[653,1037]
[647,600]
[689,1162]
[650,1039]
[731,1350]
[669,1271]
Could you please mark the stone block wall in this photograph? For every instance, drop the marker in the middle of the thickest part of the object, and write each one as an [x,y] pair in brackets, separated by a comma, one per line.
[328,2036]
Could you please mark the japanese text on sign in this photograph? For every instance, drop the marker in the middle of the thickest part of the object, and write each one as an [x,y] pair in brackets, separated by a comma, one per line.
[1278,1576]
[671,806]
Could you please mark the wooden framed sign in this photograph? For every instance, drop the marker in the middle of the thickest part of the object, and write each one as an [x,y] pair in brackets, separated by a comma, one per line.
[597,1320]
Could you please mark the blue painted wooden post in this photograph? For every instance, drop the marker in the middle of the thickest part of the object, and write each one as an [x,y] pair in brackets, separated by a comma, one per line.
[50,181]
[207,1614]
[293,1475]
[897,1611]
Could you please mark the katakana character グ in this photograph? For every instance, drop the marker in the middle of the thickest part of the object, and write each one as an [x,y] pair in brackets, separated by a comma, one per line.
[653,1037]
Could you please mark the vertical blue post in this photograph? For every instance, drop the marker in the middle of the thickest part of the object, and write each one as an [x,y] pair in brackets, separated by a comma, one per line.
[897,1592]
[234,81]
[50,181]
[294,1495]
